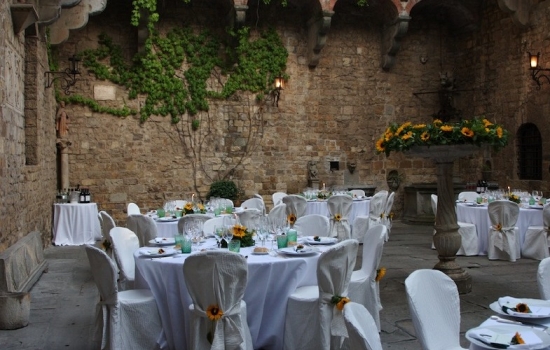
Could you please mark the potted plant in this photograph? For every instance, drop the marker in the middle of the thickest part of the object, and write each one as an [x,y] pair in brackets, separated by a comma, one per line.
[223,189]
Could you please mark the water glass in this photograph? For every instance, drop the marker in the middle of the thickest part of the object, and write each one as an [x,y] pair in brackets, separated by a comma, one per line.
[186,245]
[234,245]
[282,241]
[179,242]
[292,237]
[160,213]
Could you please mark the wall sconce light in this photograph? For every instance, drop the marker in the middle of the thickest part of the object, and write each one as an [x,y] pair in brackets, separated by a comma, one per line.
[279,85]
[68,76]
[536,69]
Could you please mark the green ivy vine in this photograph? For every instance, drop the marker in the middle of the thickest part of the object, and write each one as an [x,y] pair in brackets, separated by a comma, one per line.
[168,88]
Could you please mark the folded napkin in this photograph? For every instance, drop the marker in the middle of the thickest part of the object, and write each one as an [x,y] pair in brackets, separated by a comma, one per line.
[495,339]
[510,303]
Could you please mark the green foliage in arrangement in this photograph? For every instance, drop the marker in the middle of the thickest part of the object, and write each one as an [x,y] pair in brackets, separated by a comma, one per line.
[223,189]
[173,71]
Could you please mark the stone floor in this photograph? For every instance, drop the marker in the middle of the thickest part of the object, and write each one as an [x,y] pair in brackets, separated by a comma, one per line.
[63,300]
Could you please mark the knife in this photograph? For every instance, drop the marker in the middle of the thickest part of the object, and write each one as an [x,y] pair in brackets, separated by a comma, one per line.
[519,323]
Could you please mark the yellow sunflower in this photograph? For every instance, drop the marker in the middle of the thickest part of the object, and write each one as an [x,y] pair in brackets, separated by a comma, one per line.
[201,207]
[446,128]
[467,132]
[437,122]
[239,231]
[486,122]
[388,136]
[407,136]
[188,206]
[419,126]
[291,218]
[499,132]
[379,146]
[343,301]
[380,273]
[337,217]
[425,136]
[214,312]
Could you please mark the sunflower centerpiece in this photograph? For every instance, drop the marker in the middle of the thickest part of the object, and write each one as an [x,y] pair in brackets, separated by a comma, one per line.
[476,131]
[242,234]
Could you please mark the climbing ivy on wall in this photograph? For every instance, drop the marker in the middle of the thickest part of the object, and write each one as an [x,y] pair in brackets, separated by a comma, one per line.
[173,71]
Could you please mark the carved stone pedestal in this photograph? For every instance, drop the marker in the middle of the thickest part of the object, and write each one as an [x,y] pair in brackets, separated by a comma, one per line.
[447,240]
[313,183]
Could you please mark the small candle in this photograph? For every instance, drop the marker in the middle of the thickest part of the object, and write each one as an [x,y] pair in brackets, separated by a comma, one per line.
[193,197]
[508,189]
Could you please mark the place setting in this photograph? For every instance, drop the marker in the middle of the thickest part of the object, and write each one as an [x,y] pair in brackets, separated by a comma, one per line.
[522,325]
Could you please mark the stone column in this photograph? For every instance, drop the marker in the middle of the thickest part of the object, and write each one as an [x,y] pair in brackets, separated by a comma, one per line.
[63,146]
[447,240]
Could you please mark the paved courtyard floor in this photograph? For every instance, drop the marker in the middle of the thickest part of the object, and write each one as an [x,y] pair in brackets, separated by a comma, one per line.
[64,299]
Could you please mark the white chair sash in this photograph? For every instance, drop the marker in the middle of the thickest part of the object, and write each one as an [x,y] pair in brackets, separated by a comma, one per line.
[228,333]
[340,205]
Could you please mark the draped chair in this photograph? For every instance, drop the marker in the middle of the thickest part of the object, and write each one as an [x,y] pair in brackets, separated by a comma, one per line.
[360,227]
[107,223]
[254,203]
[543,278]
[295,205]
[125,243]
[357,193]
[503,235]
[250,217]
[143,226]
[313,225]
[361,328]
[363,287]
[535,244]
[386,215]
[277,198]
[126,319]
[377,206]
[312,321]
[132,209]
[278,213]
[468,196]
[216,281]
[435,309]
[339,207]
[185,218]
[211,224]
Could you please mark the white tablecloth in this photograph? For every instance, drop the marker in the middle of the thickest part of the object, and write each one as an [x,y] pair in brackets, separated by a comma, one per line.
[490,322]
[478,215]
[359,207]
[75,224]
[270,281]
[167,228]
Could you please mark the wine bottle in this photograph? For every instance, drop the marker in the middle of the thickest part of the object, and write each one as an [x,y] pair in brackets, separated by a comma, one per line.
[88,196]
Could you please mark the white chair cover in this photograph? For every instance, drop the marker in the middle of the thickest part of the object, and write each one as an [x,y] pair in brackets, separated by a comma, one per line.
[435,309]
[254,203]
[187,217]
[340,206]
[543,279]
[250,217]
[226,202]
[133,209]
[107,223]
[211,224]
[312,322]
[363,287]
[386,216]
[313,225]
[468,196]
[535,244]
[295,204]
[277,198]
[361,328]
[468,233]
[504,243]
[218,278]
[278,213]
[360,227]
[127,319]
[143,226]
[377,206]
[180,203]
[357,193]
[125,243]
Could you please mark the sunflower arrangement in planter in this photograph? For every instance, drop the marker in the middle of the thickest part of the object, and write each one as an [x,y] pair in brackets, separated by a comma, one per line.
[242,234]
[476,131]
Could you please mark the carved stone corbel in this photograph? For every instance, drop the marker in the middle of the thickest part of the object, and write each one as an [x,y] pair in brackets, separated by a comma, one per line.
[520,10]
[22,16]
[318,27]
[391,40]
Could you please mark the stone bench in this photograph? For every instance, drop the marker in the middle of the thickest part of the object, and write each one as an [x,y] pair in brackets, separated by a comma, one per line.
[21,265]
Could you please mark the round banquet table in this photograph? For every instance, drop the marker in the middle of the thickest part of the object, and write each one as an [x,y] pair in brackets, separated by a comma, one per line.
[167,228]
[271,279]
[479,216]
[75,224]
[359,207]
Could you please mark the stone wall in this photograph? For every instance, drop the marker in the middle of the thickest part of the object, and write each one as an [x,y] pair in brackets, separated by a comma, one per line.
[27,169]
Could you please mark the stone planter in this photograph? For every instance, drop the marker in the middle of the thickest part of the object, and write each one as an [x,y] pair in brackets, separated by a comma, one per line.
[447,240]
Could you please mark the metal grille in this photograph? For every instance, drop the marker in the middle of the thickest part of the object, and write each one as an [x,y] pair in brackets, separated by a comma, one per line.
[529,152]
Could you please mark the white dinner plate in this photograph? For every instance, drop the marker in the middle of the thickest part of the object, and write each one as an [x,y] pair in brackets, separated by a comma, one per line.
[158,252]
[167,219]
[162,241]
[301,252]
[534,304]
[509,330]
[322,241]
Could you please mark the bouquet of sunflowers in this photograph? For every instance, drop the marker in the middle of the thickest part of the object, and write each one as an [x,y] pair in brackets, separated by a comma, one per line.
[242,233]
[514,198]
[476,131]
